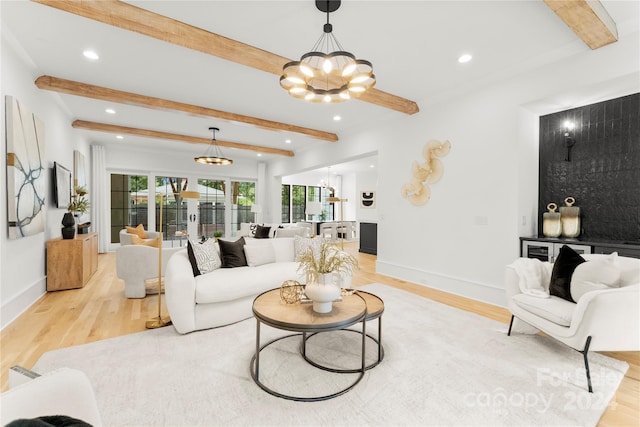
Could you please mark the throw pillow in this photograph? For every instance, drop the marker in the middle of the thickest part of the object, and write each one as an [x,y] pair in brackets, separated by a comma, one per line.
[135,240]
[204,257]
[259,254]
[563,267]
[262,232]
[302,244]
[601,273]
[232,253]
[139,231]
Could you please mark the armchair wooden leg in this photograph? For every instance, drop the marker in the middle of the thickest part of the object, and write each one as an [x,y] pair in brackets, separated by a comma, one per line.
[510,326]
[586,362]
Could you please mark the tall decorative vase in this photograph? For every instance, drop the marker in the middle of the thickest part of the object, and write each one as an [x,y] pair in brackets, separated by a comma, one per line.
[68,226]
[322,292]
[570,218]
[551,226]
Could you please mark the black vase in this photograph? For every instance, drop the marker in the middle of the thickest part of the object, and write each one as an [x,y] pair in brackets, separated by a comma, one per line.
[68,223]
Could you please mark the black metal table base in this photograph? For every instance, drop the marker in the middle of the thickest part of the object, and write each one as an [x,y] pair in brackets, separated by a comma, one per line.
[255,367]
[378,341]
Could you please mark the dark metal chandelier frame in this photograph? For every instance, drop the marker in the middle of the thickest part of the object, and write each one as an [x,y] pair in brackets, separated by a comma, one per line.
[327,73]
[213,155]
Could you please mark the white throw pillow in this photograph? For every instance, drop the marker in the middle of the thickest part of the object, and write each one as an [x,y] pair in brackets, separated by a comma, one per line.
[259,254]
[600,273]
[207,255]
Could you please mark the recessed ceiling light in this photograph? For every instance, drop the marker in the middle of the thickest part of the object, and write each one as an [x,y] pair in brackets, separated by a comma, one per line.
[89,54]
[110,111]
[465,58]
[372,166]
[119,136]
[287,141]
[337,118]
[259,154]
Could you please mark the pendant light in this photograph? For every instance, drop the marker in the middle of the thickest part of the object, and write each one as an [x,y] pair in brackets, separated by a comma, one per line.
[327,73]
[213,155]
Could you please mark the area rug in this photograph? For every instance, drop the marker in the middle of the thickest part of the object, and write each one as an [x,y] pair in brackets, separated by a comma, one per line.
[441,366]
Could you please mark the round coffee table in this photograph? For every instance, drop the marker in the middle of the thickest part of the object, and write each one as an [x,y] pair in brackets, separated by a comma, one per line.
[269,309]
[375,308]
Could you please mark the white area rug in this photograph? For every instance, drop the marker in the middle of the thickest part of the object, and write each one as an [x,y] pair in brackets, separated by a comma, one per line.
[442,366]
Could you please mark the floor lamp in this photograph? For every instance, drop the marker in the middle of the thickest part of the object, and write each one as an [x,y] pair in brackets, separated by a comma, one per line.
[344,230]
[159,322]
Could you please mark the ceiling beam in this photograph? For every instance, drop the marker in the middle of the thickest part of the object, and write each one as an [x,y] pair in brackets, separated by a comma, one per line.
[113,95]
[142,21]
[104,127]
[588,19]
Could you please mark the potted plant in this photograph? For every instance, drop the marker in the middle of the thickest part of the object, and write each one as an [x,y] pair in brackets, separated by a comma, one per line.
[321,267]
[79,205]
[217,235]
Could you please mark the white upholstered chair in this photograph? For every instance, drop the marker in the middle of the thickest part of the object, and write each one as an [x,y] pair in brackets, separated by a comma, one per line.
[601,320]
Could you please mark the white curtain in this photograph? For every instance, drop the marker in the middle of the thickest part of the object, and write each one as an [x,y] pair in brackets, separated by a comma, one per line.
[100,190]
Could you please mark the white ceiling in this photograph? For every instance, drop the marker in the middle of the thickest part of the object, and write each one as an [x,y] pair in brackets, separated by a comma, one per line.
[413,45]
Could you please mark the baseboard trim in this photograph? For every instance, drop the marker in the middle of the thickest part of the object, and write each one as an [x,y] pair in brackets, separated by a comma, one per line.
[478,291]
[21,302]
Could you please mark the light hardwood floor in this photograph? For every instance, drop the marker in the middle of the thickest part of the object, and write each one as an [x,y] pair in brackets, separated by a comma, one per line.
[100,310]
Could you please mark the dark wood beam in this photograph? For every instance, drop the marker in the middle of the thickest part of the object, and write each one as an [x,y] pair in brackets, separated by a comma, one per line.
[104,127]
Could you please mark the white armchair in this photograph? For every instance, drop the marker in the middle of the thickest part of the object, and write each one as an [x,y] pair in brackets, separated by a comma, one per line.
[137,263]
[61,392]
[601,320]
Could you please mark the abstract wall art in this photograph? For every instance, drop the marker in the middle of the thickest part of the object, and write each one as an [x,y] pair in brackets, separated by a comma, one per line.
[25,171]
[429,172]
[367,199]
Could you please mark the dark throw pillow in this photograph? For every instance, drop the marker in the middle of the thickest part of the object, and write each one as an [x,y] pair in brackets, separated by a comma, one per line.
[192,260]
[262,232]
[563,268]
[232,253]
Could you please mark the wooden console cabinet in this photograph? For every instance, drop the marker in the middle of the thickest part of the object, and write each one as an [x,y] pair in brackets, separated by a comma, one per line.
[71,262]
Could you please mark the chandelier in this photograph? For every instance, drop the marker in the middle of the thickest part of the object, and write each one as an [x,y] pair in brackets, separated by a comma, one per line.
[327,73]
[213,155]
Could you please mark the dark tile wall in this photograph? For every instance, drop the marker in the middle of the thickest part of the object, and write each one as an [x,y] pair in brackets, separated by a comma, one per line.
[604,172]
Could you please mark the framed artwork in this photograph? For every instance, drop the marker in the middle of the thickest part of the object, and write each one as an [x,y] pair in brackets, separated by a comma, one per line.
[25,171]
[367,199]
[62,185]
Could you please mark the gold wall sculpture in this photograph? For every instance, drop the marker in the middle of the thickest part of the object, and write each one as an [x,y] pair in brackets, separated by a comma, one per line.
[417,191]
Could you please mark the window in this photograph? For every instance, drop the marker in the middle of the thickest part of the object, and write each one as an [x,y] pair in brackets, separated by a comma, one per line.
[174,209]
[286,204]
[327,207]
[129,195]
[211,208]
[243,195]
[298,204]
[314,194]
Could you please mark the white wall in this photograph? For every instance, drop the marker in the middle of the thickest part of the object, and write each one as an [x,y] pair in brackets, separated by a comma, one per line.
[461,240]
[23,261]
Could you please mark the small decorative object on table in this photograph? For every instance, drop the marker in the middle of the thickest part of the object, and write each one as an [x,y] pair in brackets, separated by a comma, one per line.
[551,226]
[291,291]
[322,267]
[570,218]
[79,206]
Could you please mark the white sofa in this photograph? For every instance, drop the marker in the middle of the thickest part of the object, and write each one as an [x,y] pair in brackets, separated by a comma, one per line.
[277,230]
[61,392]
[137,263]
[601,320]
[224,295]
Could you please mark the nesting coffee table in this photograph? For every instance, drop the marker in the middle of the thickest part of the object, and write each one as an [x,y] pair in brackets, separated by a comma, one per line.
[359,307]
